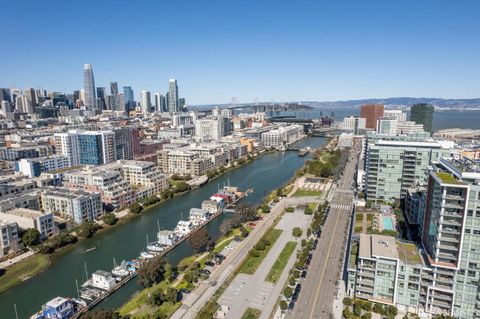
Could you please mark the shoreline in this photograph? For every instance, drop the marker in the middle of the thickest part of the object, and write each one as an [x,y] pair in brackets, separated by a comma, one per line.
[52,258]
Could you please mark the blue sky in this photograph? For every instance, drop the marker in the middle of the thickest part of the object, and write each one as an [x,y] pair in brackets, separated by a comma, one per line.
[270,50]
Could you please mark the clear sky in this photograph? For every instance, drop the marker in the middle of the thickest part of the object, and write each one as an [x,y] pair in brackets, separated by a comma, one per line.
[270,50]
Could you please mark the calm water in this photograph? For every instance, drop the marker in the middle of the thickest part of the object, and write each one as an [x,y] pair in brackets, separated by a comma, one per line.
[126,241]
[441,120]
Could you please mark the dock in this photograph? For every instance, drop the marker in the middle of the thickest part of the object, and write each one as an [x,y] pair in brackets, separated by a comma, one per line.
[228,208]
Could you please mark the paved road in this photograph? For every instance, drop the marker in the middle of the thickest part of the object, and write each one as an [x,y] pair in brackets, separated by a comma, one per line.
[318,289]
[252,290]
[194,301]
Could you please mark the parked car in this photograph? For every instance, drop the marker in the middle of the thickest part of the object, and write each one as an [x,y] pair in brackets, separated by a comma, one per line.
[210,263]
[205,271]
[304,274]
[291,305]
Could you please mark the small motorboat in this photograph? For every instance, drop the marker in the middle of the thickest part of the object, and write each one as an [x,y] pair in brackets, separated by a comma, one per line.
[89,250]
[146,255]
[156,247]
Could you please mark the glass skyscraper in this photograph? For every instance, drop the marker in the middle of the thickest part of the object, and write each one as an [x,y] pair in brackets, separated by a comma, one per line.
[89,87]
[128,98]
[423,114]
[173,96]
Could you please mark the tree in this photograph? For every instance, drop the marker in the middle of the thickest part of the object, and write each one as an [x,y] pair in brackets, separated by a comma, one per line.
[297,232]
[347,313]
[308,211]
[166,194]
[377,308]
[101,314]
[283,305]
[31,237]
[110,219]
[169,272]
[171,295]
[367,315]
[347,301]
[265,209]
[136,208]
[156,297]
[199,240]
[287,292]
[245,212]
[87,229]
[279,191]
[225,226]
[182,187]
[152,272]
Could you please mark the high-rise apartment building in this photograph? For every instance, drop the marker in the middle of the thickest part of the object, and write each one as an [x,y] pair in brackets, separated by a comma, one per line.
[89,87]
[371,113]
[394,163]
[173,105]
[146,102]
[129,100]
[451,237]
[423,114]
[86,147]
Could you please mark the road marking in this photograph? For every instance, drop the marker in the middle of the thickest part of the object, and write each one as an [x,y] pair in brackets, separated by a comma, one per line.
[325,266]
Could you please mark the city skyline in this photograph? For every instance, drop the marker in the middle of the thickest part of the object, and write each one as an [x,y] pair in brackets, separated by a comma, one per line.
[269,51]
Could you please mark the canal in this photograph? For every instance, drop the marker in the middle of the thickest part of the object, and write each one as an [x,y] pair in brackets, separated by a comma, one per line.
[126,241]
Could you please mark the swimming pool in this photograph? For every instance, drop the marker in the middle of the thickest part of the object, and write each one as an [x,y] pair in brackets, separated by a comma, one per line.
[387,223]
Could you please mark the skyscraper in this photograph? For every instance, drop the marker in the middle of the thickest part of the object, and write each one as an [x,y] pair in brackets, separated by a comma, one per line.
[181,103]
[5,95]
[158,102]
[113,88]
[128,98]
[89,87]
[423,114]
[101,93]
[146,102]
[371,113]
[31,96]
[173,105]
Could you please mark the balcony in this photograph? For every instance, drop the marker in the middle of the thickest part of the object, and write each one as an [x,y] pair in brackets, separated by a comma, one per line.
[450,222]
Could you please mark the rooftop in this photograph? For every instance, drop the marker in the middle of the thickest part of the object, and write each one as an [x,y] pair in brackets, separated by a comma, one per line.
[447,178]
[25,212]
[409,253]
[373,246]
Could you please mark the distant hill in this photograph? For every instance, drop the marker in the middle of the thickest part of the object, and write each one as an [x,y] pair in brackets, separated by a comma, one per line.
[401,101]
[467,104]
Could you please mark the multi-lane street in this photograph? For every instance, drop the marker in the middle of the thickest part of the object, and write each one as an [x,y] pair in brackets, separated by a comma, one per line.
[318,289]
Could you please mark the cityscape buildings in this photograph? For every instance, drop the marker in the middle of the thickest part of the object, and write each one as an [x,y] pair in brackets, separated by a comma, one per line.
[89,87]
[371,113]
[173,105]
[423,114]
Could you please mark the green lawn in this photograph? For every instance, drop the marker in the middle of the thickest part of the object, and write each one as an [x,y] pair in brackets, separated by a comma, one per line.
[23,270]
[250,265]
[251,313]
[313,206]
[281,262]
[305,192]
[138,306]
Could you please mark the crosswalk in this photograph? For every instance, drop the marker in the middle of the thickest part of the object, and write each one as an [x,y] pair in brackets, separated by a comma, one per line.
[342,206]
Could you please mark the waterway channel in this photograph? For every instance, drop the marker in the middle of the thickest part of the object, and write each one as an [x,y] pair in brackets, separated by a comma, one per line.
[126,241]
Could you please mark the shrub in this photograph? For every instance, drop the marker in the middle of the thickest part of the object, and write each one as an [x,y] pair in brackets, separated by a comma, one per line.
[254,253]
[136,208]
[297,232]
[290,209]
[110,219]
[87,229]
[347,301]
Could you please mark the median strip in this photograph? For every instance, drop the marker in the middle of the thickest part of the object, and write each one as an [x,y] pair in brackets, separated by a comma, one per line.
[282,260]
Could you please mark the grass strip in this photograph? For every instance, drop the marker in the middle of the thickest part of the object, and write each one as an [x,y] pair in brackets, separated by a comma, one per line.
[251,313]
[23,270]
[277,268]
[250,265]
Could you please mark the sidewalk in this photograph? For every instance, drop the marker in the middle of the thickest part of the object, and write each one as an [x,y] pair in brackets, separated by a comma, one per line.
[10,262]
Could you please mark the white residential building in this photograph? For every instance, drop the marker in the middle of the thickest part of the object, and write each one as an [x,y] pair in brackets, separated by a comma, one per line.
[9,241]
[28,218]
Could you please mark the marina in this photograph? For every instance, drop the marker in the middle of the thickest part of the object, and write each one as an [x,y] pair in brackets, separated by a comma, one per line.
[129,239]
[102,283]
